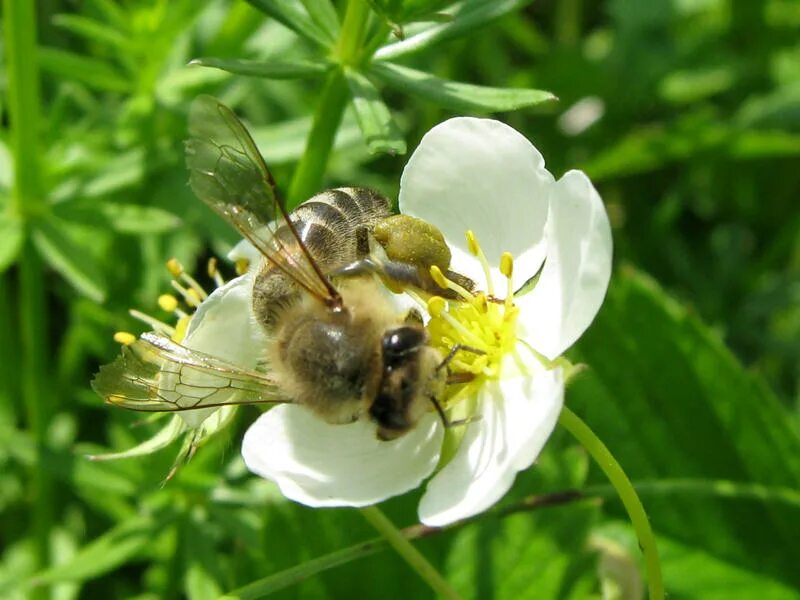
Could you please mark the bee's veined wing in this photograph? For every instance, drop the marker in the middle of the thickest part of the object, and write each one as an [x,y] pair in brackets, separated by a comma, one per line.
[156,374]
[228,173]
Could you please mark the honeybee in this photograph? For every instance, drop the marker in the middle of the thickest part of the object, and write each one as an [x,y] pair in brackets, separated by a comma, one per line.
[336,343]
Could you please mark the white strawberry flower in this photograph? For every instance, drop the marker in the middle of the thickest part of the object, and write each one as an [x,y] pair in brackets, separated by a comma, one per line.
[483,177]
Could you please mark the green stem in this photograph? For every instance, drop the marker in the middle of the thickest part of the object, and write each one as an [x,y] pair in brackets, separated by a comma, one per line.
[23,105]
[308,176]
[626,492]
[307,179]
[27,203]
[354,28]
[408,552]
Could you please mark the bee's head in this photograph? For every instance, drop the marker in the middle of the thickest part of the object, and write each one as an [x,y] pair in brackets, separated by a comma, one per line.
[408,381]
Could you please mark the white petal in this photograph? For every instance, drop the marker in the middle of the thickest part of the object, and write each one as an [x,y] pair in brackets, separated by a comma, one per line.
[482,175]
[318,464]
[223,326]
[575,276]
[517,416]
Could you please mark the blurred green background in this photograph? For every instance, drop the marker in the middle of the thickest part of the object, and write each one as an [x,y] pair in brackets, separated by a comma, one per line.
[685,114]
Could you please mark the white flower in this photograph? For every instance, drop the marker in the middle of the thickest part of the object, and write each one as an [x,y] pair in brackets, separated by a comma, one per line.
[481,176]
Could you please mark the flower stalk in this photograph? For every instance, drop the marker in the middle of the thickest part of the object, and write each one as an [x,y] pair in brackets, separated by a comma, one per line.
[408,552]
[627,494]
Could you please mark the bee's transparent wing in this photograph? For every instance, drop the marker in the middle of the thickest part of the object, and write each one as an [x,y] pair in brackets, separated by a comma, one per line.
[156,374]
[228,173]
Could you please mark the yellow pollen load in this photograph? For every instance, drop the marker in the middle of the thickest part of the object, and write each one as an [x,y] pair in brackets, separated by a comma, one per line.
[482,325]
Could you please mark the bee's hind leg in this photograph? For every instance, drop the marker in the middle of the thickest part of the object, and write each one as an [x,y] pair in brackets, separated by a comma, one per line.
[446,421]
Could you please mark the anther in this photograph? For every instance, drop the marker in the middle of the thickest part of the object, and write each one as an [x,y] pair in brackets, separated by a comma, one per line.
[168,302]
[241,266]
[445,283]
[507,264]
[124,338]
[174,267]
[436,306]
[477,251]
[213,272]
[189,295]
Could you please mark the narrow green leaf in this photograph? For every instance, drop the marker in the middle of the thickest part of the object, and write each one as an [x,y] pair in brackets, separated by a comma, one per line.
[111,12]
[455,95]
[293,15]
[6,164]
[323,13]
[92,30]
[105,553]
[374,118]
[124,218]
[11,236]
[93,72]
[163,438]
[283,69]
[71,258]
[465,16]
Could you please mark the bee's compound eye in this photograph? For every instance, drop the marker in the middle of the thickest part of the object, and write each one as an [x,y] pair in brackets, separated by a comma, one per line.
[401,342]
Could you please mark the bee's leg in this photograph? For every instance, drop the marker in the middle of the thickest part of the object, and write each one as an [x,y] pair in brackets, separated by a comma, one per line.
[362,242]
[413,317]
[451,355]
[447,422]
[455,378]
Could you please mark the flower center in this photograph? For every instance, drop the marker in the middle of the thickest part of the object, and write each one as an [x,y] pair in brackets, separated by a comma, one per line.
[476,331]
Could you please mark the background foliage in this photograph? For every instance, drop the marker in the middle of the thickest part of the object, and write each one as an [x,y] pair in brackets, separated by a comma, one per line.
[685,113]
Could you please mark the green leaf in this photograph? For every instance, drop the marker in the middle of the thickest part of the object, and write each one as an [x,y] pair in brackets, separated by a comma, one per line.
[92,30]
[466,16]
[283,69]
[162,438]
[124,218]
[672,402]
[380,132]
[293,15]
[323,13]
[454,95]
[68,252]
[11,237]
[94,72]
[107,552]
[694,573]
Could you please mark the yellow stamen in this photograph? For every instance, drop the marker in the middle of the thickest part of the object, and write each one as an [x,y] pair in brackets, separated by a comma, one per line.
[436,306]
[213,272]
[194,286]
[241,266]
[157,325]
[444,283]
[472,242]
[168,302]
[477,251]
[507,264]
[124,338]
[180,329]
[507,269]
[174,267]
[189,295]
